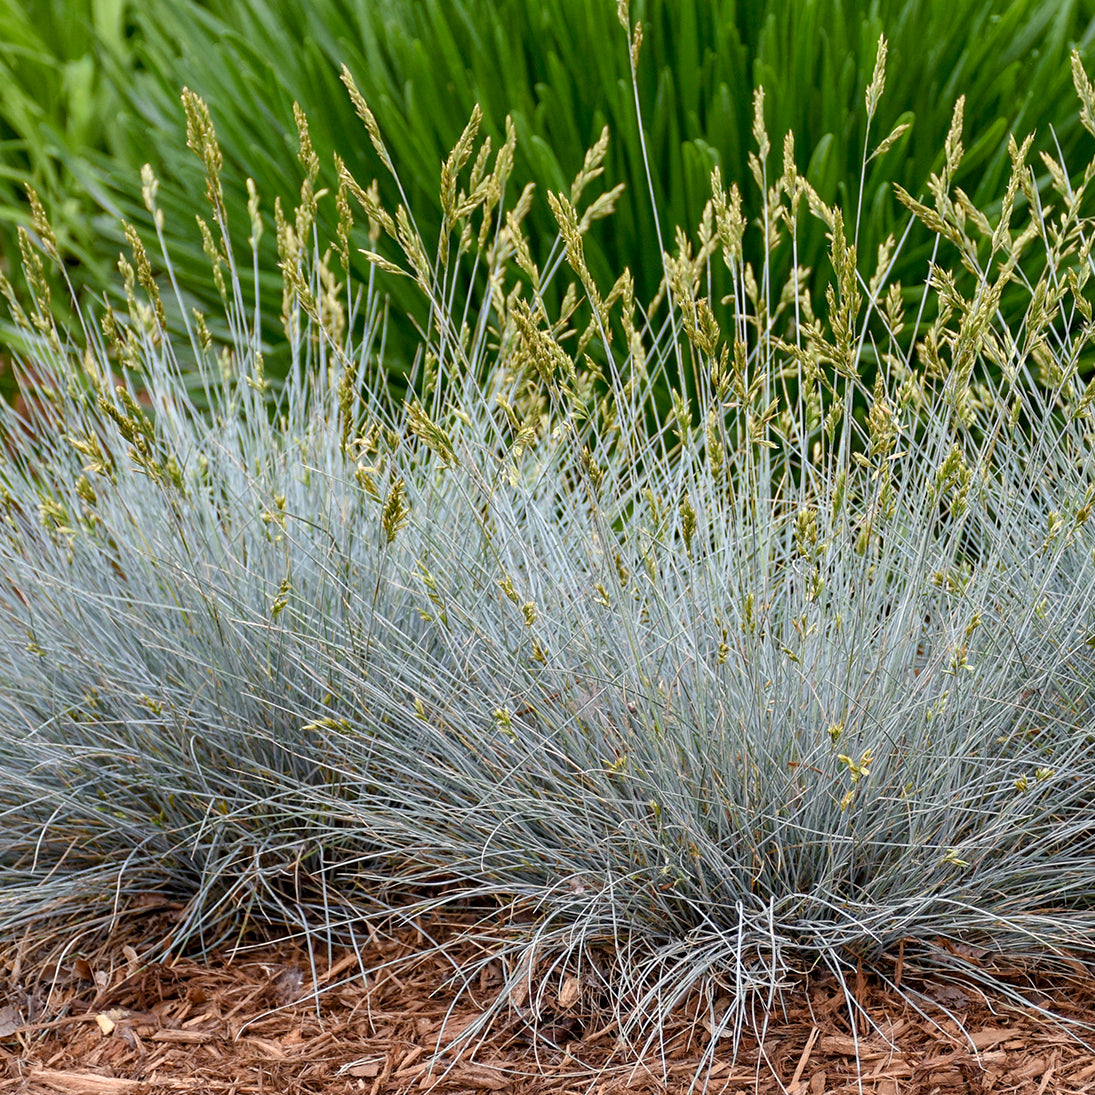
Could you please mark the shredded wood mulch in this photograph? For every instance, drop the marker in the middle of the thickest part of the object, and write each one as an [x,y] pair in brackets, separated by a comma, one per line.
[252,1023]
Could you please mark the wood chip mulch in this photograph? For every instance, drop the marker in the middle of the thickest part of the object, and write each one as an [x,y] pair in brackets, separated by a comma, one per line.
[249,1023]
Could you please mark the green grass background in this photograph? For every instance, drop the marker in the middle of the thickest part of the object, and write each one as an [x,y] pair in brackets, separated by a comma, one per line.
[89,91]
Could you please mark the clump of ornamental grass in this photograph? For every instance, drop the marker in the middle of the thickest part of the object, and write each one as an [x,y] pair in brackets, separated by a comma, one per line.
[687,711]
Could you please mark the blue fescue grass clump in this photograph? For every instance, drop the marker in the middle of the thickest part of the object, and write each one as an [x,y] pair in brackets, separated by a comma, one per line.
[688,710]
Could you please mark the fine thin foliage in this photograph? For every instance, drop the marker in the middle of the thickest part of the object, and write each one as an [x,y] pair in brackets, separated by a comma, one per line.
[792,679]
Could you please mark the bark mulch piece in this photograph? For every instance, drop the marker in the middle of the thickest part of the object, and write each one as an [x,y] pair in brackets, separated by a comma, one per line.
[248,1024]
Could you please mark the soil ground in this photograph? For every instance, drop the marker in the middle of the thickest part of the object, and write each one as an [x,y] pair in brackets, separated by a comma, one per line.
[248,1023]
